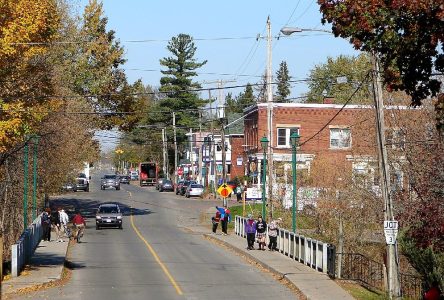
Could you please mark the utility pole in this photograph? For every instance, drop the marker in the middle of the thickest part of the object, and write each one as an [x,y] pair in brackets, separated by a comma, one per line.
[270,118]
[191,154]
[164,154]
[175,147]
[392,253]
[199,162]
[224,159]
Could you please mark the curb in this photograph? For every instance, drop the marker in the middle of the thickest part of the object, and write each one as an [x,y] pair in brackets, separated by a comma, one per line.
[281,275]
[43,286]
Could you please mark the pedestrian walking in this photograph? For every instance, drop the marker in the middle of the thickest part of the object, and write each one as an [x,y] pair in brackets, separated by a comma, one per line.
[55,220]
[64,220]
[261,232]
[239,193]
[215,220]
[46,224]
[250,231]
[272,234]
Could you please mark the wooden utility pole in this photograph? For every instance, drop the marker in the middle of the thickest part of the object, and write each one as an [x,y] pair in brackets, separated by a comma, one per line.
[175,148]
[392,253]
[270,119]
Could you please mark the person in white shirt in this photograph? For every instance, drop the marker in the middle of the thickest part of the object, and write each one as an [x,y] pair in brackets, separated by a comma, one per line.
[64,219]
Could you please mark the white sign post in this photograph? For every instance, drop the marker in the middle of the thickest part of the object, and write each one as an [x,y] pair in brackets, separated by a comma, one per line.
[390,232]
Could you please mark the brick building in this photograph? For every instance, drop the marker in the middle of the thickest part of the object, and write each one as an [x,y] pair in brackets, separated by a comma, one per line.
[344,137]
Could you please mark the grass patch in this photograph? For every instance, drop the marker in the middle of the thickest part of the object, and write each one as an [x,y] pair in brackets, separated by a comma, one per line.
[359,292]
[302,221]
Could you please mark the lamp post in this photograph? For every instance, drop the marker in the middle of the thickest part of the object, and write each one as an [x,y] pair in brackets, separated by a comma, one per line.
[119,152]
[294,138]
[264,144]
[34,178]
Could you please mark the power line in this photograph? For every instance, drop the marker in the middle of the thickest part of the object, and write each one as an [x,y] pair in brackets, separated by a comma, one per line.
[126,41]
[338,112]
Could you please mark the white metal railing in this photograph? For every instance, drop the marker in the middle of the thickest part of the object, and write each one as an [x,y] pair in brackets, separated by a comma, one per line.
[310,252]
[24,248]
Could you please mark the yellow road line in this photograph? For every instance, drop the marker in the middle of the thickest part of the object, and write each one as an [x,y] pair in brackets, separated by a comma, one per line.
[156,257]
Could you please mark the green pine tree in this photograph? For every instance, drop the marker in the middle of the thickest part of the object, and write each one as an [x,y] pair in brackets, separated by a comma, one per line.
[177,85]
[245,99]
[283,83]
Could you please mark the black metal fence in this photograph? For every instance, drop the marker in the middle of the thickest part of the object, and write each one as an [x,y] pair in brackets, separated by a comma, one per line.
[370,274]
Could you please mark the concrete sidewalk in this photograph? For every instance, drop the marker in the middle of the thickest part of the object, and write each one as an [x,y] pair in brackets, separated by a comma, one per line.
[46,266]
[312,284]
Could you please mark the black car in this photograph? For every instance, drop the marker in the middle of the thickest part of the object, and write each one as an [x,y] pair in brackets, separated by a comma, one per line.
[167,185]
[125,179]
[185,185]
[159,183]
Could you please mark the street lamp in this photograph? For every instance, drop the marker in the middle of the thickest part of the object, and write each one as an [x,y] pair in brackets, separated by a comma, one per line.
[294,138]
[264,144]
[291,30]
[119,152]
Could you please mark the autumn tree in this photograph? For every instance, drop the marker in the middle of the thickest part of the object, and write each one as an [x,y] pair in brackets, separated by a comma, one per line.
[339,78]
[407,36]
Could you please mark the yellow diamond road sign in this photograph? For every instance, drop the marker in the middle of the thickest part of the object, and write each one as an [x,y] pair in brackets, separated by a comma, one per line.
[224,190]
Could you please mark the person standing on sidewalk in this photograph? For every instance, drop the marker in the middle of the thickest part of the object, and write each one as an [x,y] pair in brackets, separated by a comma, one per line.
[250,231]
[226,220]
[215,220]
[46,224]
[272,234]
[261,233]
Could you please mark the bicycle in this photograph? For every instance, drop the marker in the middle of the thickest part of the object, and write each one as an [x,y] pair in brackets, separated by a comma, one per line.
[79,232]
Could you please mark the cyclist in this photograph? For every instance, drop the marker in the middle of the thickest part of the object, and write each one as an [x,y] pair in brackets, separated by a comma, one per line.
[79,222]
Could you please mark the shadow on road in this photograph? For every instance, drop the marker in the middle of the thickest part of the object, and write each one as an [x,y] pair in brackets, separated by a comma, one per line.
[88,207]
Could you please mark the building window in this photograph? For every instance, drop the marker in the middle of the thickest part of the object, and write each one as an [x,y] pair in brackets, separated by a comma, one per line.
[395,138]
[340,138]
[283,136]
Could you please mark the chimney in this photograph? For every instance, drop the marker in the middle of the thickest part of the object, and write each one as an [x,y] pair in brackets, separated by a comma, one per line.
[329,100]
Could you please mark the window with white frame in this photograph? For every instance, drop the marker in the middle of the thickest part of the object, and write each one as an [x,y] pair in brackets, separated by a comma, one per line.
[340,138]
[283,136]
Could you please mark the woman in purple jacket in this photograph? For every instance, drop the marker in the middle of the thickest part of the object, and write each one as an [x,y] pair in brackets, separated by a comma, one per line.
[250,230]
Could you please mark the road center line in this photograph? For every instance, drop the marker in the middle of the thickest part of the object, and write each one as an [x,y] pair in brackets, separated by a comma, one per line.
[156,257]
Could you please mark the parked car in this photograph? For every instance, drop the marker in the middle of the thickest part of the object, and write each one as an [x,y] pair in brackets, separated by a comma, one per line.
[82,184]
[159,183]
[69,187]
[167,185]
[108,214]
[111,181]
[179,186]
[134,175]
[185,185]
[125,179]
[195,190]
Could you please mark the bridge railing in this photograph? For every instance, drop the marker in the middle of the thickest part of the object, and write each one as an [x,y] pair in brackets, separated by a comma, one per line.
[25,246]
[310,252]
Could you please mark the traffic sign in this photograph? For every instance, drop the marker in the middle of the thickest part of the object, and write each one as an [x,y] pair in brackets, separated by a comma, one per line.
[224,190]
[390,232]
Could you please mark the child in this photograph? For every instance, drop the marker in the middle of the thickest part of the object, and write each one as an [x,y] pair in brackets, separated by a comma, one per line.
[215,220]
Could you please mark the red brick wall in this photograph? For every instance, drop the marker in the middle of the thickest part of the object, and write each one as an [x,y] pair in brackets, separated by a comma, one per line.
[311,120]
[237,150]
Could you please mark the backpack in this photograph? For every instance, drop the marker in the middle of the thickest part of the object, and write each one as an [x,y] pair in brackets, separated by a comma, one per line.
[46,219]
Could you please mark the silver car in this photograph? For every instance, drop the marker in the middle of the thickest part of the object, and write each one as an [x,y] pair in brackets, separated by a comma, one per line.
[194,190]
[111,181]
[108,215]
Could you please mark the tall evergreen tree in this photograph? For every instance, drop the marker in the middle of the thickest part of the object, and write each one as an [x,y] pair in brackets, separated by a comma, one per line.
[261,89]
[177,83]
[246,98]
[283,82]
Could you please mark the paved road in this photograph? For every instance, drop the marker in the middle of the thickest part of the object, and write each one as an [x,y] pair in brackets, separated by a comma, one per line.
[153,257]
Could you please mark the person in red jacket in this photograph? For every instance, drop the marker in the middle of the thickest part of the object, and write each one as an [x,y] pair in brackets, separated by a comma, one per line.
[215,220]
[79,222]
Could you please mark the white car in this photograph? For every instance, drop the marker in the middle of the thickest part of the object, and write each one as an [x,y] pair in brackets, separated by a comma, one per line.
[194,189]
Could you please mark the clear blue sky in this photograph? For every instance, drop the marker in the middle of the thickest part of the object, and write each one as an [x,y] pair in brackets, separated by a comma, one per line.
[161,20]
